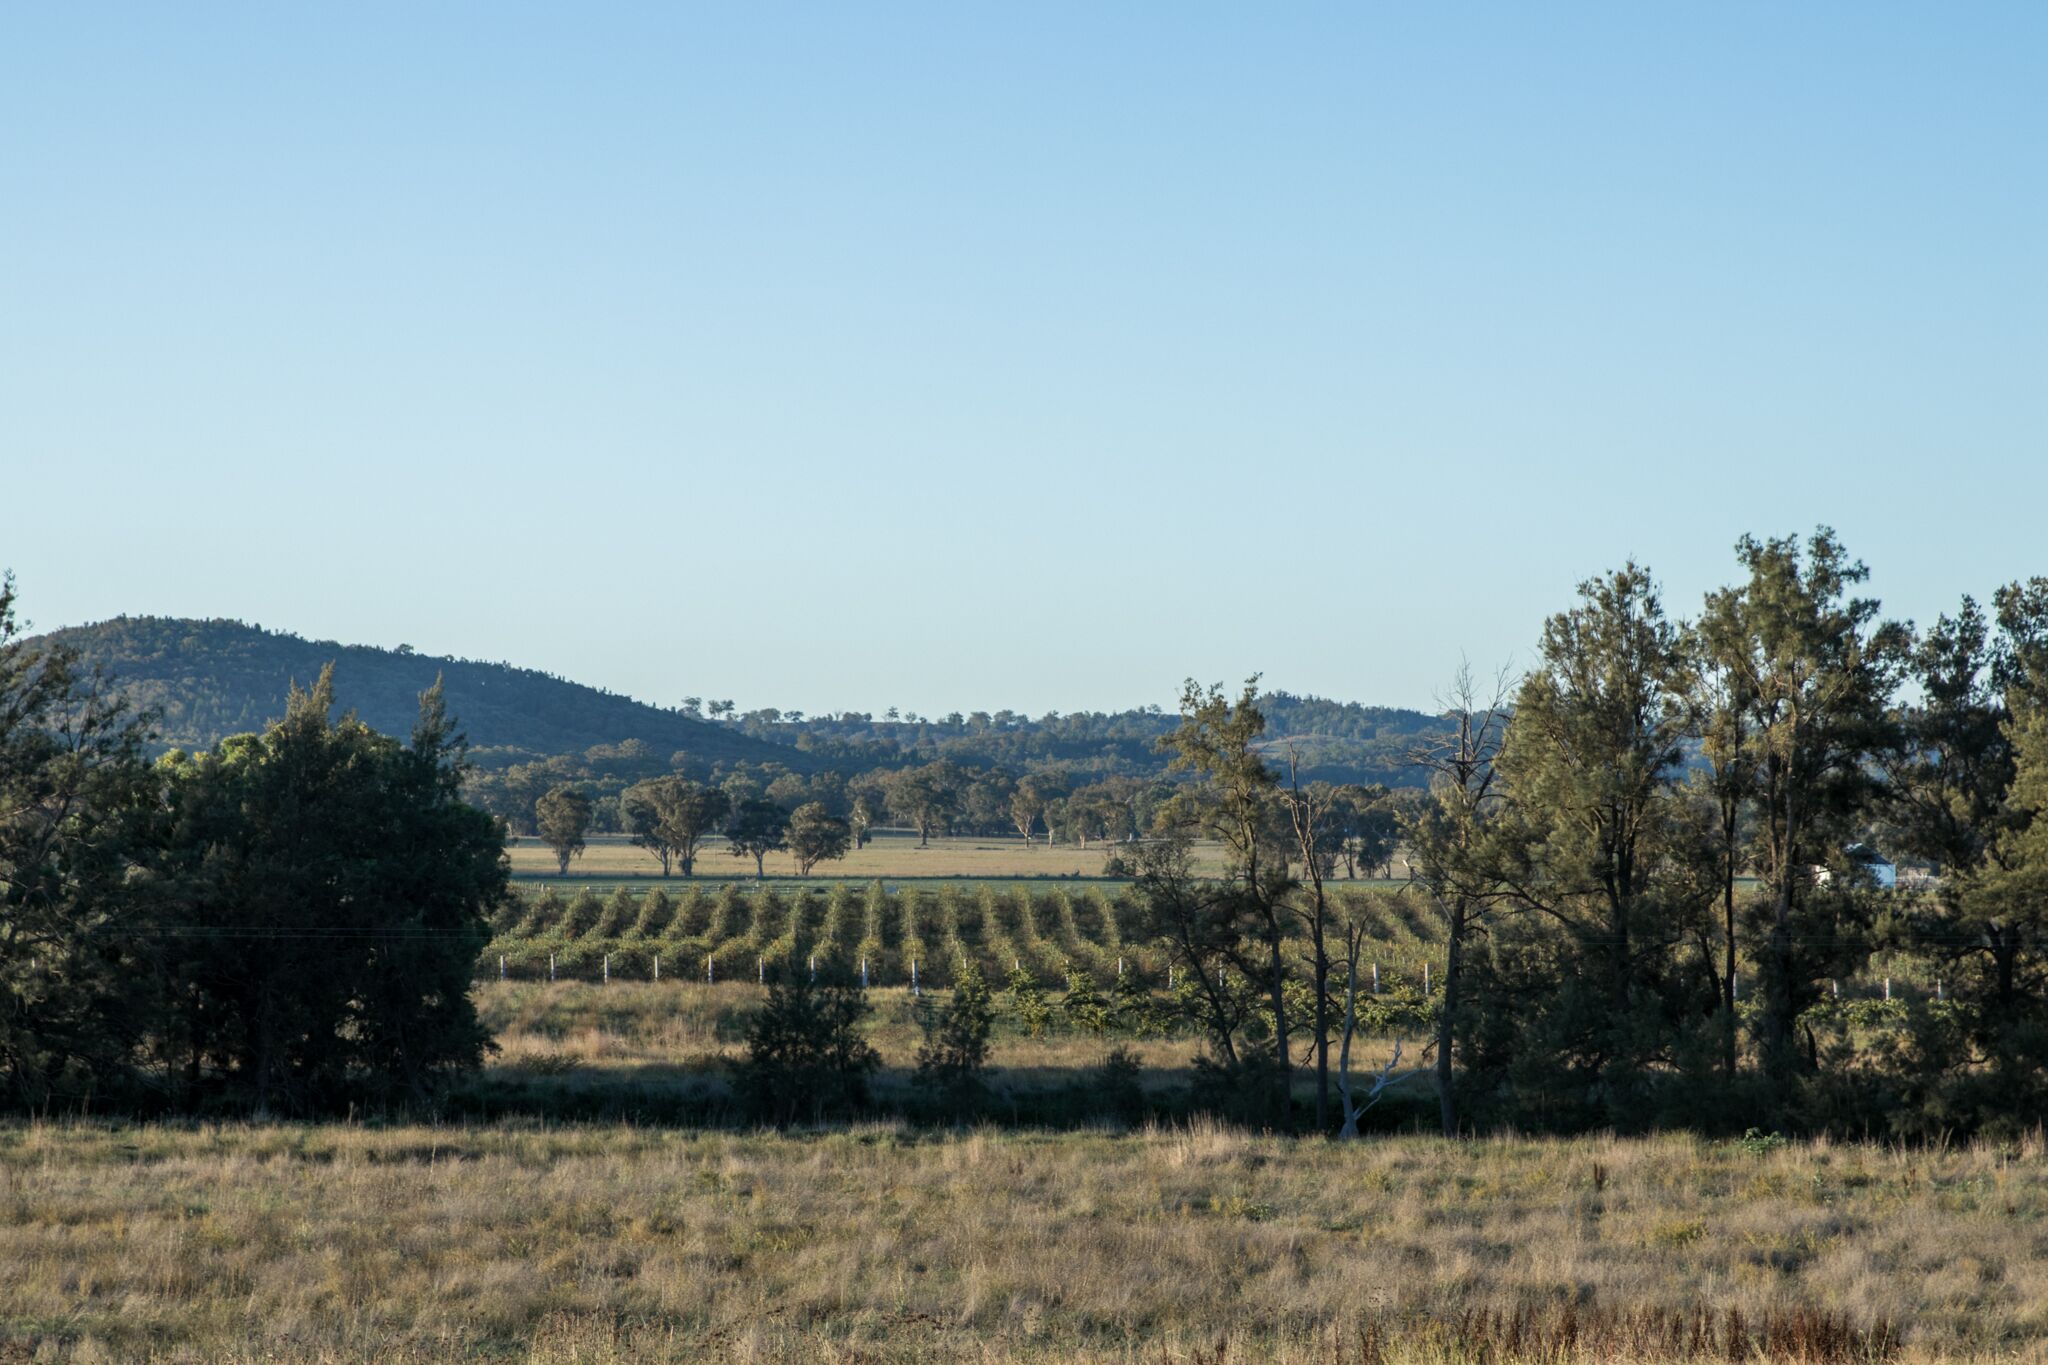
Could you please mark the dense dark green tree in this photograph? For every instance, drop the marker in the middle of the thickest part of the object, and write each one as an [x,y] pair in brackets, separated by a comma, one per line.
[563,818]
[329,893]
[1821,670]
[1599,837]
[75,910]
[806,1056]
[1998,917]
[1968,791]
[816,835]
[1948,780]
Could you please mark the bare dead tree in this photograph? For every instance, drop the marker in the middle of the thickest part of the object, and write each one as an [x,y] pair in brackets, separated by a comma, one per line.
[1308,813]
[1387,1076]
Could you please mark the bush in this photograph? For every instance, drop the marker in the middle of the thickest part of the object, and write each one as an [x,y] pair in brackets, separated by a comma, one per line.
[954,1055]
[1115,1085]
[806,1057]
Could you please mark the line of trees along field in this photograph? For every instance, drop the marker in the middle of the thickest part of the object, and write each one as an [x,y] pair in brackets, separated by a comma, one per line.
[820,818]
[670,813]
[1648,863]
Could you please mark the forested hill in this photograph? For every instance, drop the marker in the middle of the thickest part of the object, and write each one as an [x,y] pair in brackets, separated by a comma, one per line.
[209,679]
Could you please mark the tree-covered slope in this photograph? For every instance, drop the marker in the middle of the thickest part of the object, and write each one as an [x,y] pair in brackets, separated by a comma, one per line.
[208,679]
[1335,741]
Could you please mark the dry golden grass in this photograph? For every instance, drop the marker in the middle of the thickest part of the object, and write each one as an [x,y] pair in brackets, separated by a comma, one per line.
[632,1024]
[544,1242]
[879,1243]
[627,1047]
[889,855]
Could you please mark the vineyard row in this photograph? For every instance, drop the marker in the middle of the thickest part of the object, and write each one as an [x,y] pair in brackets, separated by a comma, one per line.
[734,932]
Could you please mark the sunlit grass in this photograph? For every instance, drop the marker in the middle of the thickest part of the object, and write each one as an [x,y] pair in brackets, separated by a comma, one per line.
[881,1243]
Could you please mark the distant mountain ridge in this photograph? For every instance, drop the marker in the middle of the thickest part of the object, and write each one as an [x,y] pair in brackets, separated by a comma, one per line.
[212,678]
[208,679]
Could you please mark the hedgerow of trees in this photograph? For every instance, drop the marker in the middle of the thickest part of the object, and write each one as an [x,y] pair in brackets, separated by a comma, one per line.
[1650,861]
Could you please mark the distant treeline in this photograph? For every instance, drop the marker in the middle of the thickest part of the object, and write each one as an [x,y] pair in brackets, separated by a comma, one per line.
[529,732]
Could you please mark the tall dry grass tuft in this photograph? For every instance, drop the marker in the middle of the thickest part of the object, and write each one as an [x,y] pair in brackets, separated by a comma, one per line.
[1568,1334]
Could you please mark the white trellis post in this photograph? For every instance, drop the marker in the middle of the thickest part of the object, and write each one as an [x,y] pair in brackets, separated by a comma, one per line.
[1887,988]
[607,969]
[814,966]
[501,966]
[1119,966]
[551,966]
[657,966]
[863,973]
[913,978]
[761,971]
[1425,978]
[1937,989]
[1375,978]
[709,975]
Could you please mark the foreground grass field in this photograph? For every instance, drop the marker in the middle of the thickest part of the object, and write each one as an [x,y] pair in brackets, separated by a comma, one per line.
[889,1244]
[532,1240]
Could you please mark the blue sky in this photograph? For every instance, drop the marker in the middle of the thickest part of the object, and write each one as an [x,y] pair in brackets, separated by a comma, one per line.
[1028,356]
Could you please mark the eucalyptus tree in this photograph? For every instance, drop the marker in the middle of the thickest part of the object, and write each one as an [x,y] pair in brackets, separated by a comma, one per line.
[1027,804]
[867,802]
[756,828]
[926,796]
[563,818]
[816,835]
[1233,799]
[1597,837]
[641,810]
[1816,671]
